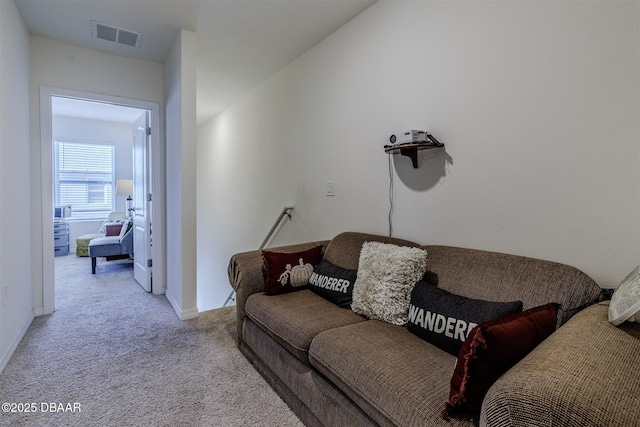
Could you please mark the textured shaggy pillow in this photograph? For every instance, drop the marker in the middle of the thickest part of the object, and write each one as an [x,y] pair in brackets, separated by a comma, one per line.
[625,302]
[386,276]
[490,350]
[333,283]
[445,319]
[288,272]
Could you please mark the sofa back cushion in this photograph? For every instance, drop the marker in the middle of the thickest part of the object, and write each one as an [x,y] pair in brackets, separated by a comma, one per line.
[344,249]
[486,275]
[496,276]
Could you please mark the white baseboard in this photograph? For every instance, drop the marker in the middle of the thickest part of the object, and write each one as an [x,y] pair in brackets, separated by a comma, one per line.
[190,313]
[16,340]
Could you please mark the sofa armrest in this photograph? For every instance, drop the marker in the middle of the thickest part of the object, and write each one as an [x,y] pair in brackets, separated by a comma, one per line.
[245,275]
[584,374]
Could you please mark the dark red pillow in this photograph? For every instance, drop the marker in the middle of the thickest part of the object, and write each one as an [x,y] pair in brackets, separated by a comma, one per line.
[490,350]
[288,272]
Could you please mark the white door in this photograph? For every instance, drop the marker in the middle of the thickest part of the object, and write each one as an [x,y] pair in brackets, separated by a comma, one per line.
[141,203]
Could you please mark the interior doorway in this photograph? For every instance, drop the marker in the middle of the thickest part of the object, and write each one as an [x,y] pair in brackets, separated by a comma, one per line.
[77,118]
[99,170]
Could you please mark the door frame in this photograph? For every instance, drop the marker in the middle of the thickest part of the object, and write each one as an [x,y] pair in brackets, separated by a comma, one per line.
[46,165]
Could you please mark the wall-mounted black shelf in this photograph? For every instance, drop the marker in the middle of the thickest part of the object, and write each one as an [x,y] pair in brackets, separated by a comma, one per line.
[410,150]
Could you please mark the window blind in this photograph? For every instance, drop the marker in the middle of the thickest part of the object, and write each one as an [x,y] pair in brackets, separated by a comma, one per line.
[84,178]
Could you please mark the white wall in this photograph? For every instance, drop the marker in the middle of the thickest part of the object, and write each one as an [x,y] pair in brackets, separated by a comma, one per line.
[73,129]
[180,87]
[64,66]
[16,309]
[536,102]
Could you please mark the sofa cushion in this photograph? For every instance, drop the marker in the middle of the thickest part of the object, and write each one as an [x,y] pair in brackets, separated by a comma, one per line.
[286,272]
[445,319]
[491,350]
[394,376]
[333,283]
[386,275]
[344,249]
[294,319]
[108,240]
[494,276]
[105,246]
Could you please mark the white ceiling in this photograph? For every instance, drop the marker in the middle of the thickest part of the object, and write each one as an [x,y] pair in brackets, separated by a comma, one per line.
[241,43]
[71,107]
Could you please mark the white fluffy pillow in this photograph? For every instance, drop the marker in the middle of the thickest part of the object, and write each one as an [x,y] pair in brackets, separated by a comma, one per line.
[386,276]
[625,302]
[103,227]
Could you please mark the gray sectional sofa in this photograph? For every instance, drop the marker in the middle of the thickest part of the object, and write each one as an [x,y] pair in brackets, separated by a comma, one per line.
[336,368]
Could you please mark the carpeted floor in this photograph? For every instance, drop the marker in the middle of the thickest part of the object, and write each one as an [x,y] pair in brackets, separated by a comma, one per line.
[123,358]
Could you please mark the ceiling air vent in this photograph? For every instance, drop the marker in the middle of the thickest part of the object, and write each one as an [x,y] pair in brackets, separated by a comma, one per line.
[115,35]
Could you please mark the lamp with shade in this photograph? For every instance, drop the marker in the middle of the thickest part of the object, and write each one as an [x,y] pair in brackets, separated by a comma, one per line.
[124,187]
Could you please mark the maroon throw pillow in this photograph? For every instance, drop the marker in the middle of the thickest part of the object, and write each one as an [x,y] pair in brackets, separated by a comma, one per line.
[288,272]
[490,350]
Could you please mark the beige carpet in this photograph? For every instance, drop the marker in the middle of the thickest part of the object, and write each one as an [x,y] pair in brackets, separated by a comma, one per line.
[125,358]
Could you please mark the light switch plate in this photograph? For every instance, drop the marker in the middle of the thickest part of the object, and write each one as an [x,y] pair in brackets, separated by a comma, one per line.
[331,188]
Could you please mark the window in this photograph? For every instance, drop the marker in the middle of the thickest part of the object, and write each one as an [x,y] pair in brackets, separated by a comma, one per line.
[84,177]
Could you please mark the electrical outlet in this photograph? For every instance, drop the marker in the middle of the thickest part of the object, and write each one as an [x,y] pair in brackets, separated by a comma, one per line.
[331,188]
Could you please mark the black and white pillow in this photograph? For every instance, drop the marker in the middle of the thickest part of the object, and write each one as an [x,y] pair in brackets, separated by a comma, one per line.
[333,283]
[445,319]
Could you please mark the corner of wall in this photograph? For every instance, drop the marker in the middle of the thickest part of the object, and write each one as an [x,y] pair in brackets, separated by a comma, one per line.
[180,102]
[16,263]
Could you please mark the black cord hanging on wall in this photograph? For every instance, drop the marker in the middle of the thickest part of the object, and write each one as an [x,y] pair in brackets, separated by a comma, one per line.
[409,144]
